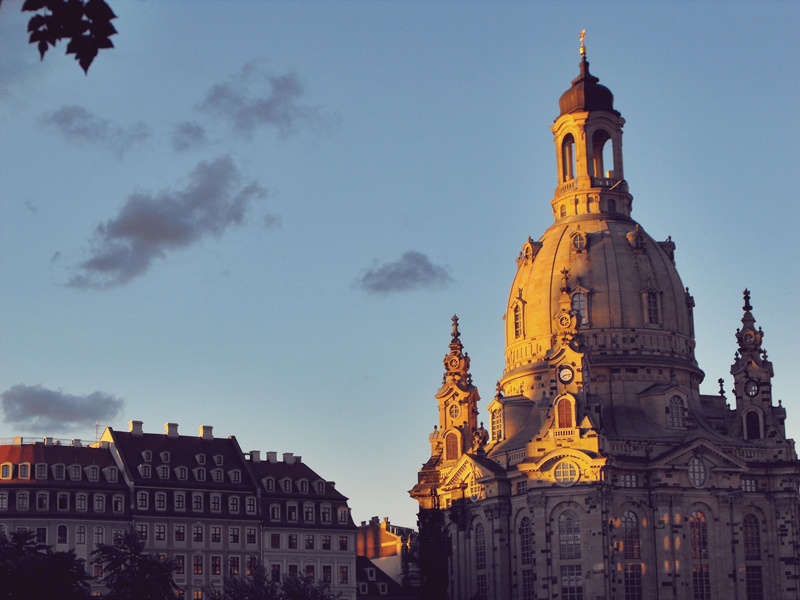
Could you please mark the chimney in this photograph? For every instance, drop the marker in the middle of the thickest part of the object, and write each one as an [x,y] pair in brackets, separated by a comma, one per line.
[288,458]
[298,459]
[76,443]
[255,456]
[135,427]
[171,430]
[18,441]
[48,441]
[272,457]
[207,432]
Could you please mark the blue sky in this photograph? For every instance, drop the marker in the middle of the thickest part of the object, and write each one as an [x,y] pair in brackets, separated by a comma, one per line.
[261,215]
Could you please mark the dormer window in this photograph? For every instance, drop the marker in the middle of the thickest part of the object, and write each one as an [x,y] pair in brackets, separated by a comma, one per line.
[6,470]
[216,475]
[25,471]
[75,472]
[58,471]
[147,455]
[218,460]
[111,474]
[182,473]
[199,474]
[320,487]
[269,484]
[145,471]
[580,306]
[518,329]
[676,413]
[41,471]
[564,413]
[304,486]
[164,456]
[163,472]
[579,242]
[200,458]
[286,484]
[93,473]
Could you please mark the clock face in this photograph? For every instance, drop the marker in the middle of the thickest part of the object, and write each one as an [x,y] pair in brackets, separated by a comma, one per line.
[751,388]
[453,362]
[565,374]
[564,320]
[454,411]
[749,338]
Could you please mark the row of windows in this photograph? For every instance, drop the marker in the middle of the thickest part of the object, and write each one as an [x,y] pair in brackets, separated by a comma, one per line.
[42,501]
[309,541]
[182,473]
[198,503]
[286,485]
[292,512]
[58,471]
[147,456]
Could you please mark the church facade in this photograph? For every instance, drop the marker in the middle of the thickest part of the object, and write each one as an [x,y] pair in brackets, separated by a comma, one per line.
[604,472]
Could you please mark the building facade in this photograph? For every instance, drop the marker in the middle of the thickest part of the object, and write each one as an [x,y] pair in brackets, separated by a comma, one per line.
[198,500]
[604,472]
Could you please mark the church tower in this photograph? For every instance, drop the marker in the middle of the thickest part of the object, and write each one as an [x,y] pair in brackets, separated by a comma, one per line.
[605,472]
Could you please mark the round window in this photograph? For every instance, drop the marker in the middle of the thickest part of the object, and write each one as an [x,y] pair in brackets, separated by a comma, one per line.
[566,473]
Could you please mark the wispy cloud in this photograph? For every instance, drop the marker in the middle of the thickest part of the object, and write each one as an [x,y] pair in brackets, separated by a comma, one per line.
[256,98]
[412,271]
[35,408]
[188,135]
[150,225]
[79,125]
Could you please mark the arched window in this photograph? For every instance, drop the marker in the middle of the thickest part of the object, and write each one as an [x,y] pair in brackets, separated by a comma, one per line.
[568,158]
[80,535]
[525,541]
[752,538]
[630,535]
[676,413]
[580,307]
[61,536]
[517,321]
[752,425]
[653,312]
[451,446]
[562,212]
[497,426]
[600,151]
[564,413]
[698,534]
[480,547]
[569,535]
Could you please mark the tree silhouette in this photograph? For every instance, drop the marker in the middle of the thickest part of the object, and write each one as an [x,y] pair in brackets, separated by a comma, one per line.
[31,571]
[130,573]
[85,23]
[259,586]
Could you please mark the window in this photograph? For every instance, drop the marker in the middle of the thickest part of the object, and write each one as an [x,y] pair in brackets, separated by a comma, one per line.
[142,500]
[250,535]
[451,446]
[752,538]
[525,541]
[197,564]
[61,534]
[320,487]
[630,535]
[752,425]
[215,503]
[701,582]
[653,313]
[80,535]
[326,573]
[344,577]
[197,533]
[292,541]
[142,531]
[41,535]
[147,455]
[753,582]
[482,587]
[309,542]
[233,504]
[93,473]
[161,533]
[344,515]
[569,535]
[180,564]
[275,572]
[161,501]
[571,582]
[480,547]
[698,533]
[275,541]
[75,472]
[236,476]
[628,480]
[517,321]
[180,533]
[41,471]
[99,503]
[308,513]
[145,470]
[3,500]
[216,565]
[697,472]
[164,456]
[269,483]
[749,485]
[22,500]
[568,158]
[326,542]
[287,485]
[343,544]
[197,502]
[497,426]
[200,474]
[99,535]
[216,475]
[275,512]
[111,474]
[180,501]
[233,535]
[42,500]
[183,473]
[218,459]
[564,413]
[291,512]
[251,505]
[58,472]
[528,585]
[163,471]
[325,514]
[197,595]
[580,306]
[24,471]
[216,535]
[233,564]
[566,472]
[676,413]
[632,581]
[5,471]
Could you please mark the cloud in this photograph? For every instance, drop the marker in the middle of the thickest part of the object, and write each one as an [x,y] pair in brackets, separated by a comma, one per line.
[79,125]
[35,408]
[187,135]
[254,98]
[413,271]
[150,225]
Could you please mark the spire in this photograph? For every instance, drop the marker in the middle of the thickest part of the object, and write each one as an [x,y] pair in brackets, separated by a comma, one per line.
[456,363]
[748,336]
[586,94]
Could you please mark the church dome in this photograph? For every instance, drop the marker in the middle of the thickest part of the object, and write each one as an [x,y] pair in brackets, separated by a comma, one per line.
[586,93]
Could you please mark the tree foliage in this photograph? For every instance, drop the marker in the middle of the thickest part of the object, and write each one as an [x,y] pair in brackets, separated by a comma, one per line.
[130,573]
[85,23]
[259,586]
[31,571]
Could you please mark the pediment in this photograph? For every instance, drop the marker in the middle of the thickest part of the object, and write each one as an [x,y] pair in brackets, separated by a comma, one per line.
[699,447]
[467,469]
